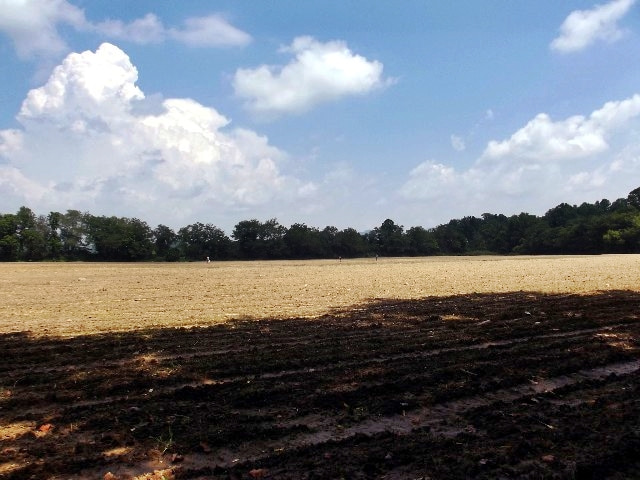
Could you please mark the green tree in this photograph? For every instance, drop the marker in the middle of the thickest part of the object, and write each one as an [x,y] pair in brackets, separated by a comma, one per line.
[26,218]
[561,215]
[451,238]
[304,242]
[31,234]
[165,241]
[54,243]
[603,205]
[33,245]
[389,239]
[260,240]
[621,205]
[421,242]
[521,228]
[74,231]
[124,239]
[622,233]
[328,236]
[350,244]
[494,233]
[199,241]
[633,198]
[9,241]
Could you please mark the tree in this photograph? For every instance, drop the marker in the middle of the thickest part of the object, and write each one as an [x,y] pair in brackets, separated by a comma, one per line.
[561,215]
[31,235]
[471,228]
[329,240]
[494,233]
[620,205]
[421,242]
[634,198]
[74,234]
[165,241]
[603,206]
[622,233]
[9,242]
[522,227]
[603,226]
[350,244]
[451,238]
[304,242]
[34,240]
[389,238]
[122,239]
[26,218]
[199,241]
[247,233]
[260,240]
[138,239]
[54,243]
[33,245]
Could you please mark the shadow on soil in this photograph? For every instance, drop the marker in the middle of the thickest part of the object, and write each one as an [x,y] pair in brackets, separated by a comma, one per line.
[443,387]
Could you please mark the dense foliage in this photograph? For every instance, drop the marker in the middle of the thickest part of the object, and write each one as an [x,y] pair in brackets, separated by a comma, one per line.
[602,227]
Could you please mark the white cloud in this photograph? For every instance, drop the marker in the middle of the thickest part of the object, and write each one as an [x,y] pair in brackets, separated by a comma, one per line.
[14,186]
[429,180]
[33,25]
[210,31]
[85,87]
[83,144]
[148,29]
[10,141]
[544,140]
[457,143]
[584,27]
[320,72]
[543,163]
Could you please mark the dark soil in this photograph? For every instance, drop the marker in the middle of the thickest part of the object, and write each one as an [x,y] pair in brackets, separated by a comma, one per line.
[520,385]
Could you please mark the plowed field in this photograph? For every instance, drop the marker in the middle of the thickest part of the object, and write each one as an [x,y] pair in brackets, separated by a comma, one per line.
[398,369]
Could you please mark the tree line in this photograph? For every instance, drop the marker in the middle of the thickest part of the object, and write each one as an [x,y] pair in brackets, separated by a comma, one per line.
[601,227]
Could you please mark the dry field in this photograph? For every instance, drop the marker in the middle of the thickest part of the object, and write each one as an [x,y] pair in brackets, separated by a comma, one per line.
[78,298]
[484,367]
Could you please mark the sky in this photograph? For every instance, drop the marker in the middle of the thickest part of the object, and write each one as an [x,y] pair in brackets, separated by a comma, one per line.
[341,112]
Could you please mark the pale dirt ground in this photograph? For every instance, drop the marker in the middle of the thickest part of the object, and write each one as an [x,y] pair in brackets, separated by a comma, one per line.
[78,298]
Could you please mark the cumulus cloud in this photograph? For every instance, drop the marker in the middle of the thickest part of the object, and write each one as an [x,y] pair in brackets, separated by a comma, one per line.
[318,73]
[33,25]
[543,140]
[547,159]
[83,143]
[585,27]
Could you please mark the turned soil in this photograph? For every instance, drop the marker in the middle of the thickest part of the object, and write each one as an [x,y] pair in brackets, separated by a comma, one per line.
[398,369]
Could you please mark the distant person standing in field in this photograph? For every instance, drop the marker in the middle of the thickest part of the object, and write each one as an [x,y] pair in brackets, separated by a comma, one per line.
[208,260]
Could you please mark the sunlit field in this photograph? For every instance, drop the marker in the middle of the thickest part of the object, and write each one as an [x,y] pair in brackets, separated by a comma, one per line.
[76,298]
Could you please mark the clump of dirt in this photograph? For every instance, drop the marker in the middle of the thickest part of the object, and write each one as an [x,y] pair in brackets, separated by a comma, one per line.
[508,385]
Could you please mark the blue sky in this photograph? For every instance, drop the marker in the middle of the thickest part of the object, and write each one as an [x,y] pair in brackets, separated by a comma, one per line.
[339,113]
